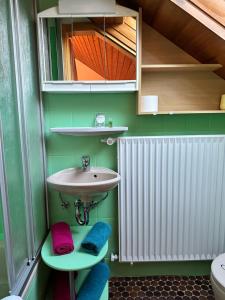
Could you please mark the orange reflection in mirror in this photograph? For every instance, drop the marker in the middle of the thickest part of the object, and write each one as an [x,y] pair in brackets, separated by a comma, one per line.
[86,73]
[93,54]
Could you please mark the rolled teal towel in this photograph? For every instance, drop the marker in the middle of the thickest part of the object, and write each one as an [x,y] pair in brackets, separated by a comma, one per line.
[94,283]
[96,238]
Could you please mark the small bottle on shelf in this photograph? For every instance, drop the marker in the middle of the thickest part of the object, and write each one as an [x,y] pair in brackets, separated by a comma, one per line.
[110,123]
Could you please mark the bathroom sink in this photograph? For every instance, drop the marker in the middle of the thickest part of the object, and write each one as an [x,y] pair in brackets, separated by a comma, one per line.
[76,181]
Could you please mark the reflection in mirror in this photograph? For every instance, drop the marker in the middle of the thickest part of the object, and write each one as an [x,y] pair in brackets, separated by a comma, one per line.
[84,50]
[90,49]
[120,45]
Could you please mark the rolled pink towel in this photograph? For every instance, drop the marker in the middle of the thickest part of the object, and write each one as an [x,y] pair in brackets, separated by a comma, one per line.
[61,287]
[62,240]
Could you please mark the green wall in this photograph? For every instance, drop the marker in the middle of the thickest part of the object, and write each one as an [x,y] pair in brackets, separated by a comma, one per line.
[66,151]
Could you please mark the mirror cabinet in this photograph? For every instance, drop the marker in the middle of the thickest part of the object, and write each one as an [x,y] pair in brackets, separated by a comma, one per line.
[88,53]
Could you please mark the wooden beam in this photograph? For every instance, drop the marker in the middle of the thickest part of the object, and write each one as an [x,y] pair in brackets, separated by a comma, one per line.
[201,16]
[121,38]
[214,8]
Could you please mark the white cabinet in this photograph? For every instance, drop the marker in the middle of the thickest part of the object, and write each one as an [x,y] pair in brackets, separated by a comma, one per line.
[92,53]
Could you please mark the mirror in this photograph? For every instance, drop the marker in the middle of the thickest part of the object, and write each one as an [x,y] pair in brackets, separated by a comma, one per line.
[89,48]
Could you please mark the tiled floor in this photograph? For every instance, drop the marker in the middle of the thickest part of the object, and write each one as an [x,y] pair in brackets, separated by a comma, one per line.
[161,288]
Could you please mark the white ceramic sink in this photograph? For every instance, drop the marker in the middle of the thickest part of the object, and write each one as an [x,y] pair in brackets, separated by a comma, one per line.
[75,181]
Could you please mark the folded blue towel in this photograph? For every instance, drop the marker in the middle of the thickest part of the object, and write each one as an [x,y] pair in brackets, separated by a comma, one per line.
[94,283]
[96,238]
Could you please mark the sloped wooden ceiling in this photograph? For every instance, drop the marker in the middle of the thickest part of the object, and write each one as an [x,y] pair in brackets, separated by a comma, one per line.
[214,8]
[186,31]
[103,56]
[110,53]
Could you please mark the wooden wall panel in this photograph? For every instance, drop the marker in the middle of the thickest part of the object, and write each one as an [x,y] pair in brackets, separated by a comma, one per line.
[156,49]
[184,30]
[191,91]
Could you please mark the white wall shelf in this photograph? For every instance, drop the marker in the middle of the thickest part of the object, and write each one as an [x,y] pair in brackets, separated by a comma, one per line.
[78,87]
[82,131]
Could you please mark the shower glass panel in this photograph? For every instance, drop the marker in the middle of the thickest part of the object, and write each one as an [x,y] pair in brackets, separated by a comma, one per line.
[12,173]
[31,109]
[11,164]
[21,155]
[16,194]
[4,288]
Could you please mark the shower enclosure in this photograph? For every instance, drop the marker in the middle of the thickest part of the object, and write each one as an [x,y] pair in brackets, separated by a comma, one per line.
[3,270]
[22,188]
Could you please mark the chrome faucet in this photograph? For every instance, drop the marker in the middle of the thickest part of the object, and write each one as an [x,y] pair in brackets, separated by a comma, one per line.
[85,159]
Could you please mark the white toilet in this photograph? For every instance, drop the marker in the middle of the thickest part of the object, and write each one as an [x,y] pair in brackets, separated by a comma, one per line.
[218,277]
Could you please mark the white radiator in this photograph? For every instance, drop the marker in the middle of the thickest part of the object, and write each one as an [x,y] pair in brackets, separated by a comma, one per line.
[171,198]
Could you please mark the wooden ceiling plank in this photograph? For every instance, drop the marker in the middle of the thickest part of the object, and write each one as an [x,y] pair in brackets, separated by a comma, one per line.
[101,49]
[84,28]
[95,52]
[112,61]
[126,50]
[119,64]
[215,9]
[131,22]
[120,73]
[92,52]
[126,68]
[201,17]
[108,60]
[128,65]
[115,59]
[125,30]
[132,71]
[121,38]
[89,50]
[82,54]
